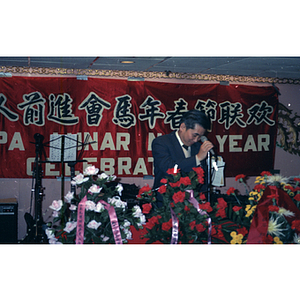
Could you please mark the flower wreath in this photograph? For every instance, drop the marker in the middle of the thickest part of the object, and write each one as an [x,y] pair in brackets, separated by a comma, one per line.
[99,196]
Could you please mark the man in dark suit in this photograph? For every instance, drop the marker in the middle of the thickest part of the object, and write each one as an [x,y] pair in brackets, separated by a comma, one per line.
[181,147]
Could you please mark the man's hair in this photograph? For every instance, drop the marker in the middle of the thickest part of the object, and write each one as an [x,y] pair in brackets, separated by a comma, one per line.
[193,117]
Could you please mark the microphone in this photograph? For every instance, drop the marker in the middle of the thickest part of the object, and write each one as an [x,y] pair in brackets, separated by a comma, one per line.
[212,152]
[203,139]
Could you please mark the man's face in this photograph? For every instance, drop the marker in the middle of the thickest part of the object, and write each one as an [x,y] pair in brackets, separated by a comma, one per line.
[190,136]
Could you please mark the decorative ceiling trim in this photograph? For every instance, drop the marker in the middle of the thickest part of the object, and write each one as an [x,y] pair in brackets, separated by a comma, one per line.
[146,75]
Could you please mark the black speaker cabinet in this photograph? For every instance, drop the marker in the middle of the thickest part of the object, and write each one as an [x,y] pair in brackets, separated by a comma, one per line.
[8,221]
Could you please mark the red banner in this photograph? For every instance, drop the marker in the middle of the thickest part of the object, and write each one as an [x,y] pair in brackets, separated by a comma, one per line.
[123,117]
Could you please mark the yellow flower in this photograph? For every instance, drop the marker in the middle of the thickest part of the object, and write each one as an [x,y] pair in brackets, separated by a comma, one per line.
[250,209]
[277,240]
[236,238]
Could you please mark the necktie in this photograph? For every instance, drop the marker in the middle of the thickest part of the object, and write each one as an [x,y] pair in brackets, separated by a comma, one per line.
[185,147]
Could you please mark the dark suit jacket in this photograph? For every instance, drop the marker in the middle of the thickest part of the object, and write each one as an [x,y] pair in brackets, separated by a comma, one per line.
[167,152]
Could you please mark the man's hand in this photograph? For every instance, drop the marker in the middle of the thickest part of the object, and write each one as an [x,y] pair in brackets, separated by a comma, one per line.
[205,147]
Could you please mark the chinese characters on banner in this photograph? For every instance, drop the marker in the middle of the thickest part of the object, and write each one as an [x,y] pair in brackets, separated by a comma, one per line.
[120,118]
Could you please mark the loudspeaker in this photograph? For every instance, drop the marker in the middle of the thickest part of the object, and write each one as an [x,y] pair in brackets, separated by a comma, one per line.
[8,221]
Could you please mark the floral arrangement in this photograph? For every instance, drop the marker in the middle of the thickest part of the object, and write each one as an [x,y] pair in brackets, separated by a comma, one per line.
[282,226]
[197,220]
[102,195]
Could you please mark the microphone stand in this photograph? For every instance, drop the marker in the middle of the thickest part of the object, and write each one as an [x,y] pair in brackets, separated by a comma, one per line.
[208,175]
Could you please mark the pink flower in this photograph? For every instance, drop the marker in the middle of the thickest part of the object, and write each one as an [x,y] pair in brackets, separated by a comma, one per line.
[91,171]
[79,179]
[56,205]
[70,226]
[93,224]
[95,189]
[90,205]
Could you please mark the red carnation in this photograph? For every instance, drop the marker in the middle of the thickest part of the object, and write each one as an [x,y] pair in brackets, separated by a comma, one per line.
[206,206]
[297,179]
[259,187]
[221,213]
[146,208]
[297,197]
[221,203]
[296,225]
[230,191]
[265,173]
[242,231]
[167,225]
[236,208]
[273,208]
[178,197]
[202,196]
[267,239]
[240,177]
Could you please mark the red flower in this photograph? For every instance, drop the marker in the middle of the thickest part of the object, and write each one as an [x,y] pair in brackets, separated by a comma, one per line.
[259,187]
[147,208]
[186,208]
[178,197]
[206,206]
[171,171]
[236,208]
[273,208]
[297,179]
[221,203]
[143,190]
[242,231]
[167,225]
[164,180]
[185,180]
[151,222]
[221,213]
[200,227]
[265,173]
[240,177]
[230,191]
[296,225]
[297,197]
[267,239]
[273,196]
[200,174]
[192,224]
[175,184]
[202,196]
[162,189]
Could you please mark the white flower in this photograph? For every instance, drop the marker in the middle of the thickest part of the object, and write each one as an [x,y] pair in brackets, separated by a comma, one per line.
[112,178]
[79,179]
[104,238]
[99,207]
[126,223]
[95,189]
[54,241]
[93,224]
[55,214]
[102,176]
[274,227]
[142,219]
[90,205]
[73,207]
[70,226]
[128,234]
[119,188]
[297,238]
[137,212]
[56,205]
[117,202]
[91,171]
[285,212]
[271,180]
[69,197]
[49,233]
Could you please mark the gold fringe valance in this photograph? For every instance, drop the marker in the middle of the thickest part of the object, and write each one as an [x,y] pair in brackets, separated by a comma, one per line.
[140,74]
